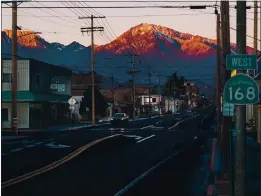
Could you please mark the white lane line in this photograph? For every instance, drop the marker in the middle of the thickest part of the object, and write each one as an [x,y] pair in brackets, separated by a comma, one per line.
[134,182]
[30,146]
[16,150]
[38,143]
[145,138]
[150,126]
[133,136]
[52,145]
[181,122]
[137,180]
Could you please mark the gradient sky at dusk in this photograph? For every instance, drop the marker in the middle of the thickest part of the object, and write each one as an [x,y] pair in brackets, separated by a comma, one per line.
[196,22]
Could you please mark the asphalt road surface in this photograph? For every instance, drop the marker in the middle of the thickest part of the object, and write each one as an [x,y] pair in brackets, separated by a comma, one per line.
[102,170]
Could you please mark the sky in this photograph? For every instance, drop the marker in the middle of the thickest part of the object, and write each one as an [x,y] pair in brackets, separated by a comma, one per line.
[63,25]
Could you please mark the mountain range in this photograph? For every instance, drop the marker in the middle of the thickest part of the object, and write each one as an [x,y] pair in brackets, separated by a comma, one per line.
[164,49]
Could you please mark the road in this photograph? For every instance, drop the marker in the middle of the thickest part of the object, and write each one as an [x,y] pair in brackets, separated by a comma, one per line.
[102,170]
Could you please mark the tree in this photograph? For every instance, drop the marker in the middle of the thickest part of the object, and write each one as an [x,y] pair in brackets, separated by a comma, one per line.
[173,86]
[100,103]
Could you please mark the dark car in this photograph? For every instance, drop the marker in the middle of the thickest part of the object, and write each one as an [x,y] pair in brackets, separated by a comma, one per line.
[119,118]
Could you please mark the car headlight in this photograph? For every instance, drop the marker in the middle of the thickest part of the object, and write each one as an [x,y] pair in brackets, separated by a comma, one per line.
[111,118]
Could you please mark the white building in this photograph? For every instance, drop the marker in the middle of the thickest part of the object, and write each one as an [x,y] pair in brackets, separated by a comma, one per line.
[154,100]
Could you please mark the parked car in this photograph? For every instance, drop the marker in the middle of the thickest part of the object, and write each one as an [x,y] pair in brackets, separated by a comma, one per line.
[119,118]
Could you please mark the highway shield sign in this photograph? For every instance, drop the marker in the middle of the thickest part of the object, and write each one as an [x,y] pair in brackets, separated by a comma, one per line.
[240,90]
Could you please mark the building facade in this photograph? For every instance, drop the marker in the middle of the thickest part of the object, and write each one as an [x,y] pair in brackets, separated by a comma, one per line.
[154,101]
[42,93]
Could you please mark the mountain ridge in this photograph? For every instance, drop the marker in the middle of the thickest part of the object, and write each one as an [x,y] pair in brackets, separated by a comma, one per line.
[165,49]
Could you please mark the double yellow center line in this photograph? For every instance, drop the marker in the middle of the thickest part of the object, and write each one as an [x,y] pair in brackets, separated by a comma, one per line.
[54,164]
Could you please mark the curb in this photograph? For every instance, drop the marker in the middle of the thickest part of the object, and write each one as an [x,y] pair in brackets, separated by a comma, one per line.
[211,187]
[13,138]
[56,163]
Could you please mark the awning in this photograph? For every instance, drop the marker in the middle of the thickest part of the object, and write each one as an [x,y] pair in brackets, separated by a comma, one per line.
[27,96]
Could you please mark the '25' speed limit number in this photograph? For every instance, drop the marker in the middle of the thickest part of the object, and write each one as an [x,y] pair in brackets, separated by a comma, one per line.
[241,89]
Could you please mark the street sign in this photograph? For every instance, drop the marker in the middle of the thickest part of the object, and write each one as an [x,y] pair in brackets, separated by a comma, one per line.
[72,101]
[240,90]
[241,62]
[228,109]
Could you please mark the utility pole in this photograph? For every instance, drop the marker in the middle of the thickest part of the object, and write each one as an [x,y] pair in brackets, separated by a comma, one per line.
[92,29]
[253,108]
[259,106]
[159,89]
[149,76]
[226,121]
[113,91]
[239,184]
[133,72]
[218,68]
[14,68]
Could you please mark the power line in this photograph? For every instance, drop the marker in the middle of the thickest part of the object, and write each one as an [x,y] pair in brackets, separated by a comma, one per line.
[246,35]
[111,7]
[47,20]
[64,19]
[121,1]
[126,16]
[78,14]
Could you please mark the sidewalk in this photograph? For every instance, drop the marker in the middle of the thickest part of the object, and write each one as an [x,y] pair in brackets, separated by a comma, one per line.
[253,173]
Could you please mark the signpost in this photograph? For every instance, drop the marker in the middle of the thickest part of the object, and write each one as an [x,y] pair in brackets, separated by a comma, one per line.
[241,90]
[72,101]
[241,62]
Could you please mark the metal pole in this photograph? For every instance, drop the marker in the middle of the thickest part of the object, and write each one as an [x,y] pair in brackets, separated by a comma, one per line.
[218,68]
[14,68]
[240,153]
[92,70]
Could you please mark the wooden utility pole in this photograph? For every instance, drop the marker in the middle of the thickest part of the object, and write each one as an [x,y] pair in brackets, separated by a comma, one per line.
[239,184]
[218,69]
[14,68]
[113,91]
[226,121]
[254,114]
[159,89]
[133,72]
[92,29]
[149,77]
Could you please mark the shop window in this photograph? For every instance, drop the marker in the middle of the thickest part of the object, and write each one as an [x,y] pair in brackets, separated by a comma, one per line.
[4,113]
[7,77]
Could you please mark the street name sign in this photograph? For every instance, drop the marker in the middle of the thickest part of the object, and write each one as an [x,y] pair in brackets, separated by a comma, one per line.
[241,90]
[241,62]
[228,109]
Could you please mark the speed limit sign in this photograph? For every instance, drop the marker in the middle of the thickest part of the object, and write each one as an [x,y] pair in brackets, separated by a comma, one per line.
[241,90]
